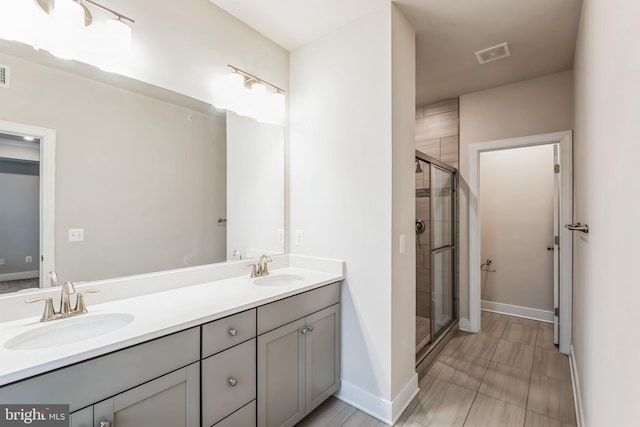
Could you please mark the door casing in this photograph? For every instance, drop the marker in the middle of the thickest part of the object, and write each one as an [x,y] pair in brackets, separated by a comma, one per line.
[565,141]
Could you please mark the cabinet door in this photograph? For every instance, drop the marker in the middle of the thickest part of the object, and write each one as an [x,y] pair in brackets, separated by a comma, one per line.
[281,377]
[322,356]
[171,400]
[82,418]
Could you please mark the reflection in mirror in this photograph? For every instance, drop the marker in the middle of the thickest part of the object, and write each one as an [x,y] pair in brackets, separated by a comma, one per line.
[145,179]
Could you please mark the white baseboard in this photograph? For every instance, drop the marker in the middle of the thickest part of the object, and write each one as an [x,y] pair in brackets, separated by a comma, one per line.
[384,410]
[19,276]
[577,395]
[518,311]
[464,325]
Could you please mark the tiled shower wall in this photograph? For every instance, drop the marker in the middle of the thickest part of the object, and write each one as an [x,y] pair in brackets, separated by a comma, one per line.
[437,135]
[437,131]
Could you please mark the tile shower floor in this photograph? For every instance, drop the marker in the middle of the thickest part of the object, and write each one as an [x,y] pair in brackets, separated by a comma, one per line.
[510,374]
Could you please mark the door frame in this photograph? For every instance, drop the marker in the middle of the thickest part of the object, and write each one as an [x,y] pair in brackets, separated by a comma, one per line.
[47,191]
[565,141]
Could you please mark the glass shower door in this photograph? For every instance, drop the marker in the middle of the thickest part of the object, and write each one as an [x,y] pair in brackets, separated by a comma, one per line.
[442,248]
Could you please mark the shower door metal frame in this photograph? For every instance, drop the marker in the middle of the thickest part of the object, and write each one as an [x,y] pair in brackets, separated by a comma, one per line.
[454,239]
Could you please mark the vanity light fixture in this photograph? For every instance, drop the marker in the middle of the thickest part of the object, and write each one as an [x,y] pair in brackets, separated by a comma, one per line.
[251,96]
[64,34]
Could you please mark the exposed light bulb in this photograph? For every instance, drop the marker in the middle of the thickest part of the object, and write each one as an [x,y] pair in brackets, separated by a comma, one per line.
[236,81]
[67,19]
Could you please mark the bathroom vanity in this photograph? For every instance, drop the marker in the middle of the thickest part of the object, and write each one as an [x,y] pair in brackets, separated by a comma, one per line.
[232,352]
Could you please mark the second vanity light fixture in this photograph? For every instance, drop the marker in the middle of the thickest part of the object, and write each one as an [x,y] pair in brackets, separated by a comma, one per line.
[251,96]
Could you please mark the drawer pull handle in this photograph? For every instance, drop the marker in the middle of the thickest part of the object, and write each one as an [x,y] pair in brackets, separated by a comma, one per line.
[233,381]
[105,423]
[233,332]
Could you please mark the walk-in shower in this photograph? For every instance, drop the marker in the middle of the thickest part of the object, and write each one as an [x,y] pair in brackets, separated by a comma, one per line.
[436,256]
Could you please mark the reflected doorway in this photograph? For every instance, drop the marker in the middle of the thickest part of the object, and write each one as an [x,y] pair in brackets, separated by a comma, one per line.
[27,212]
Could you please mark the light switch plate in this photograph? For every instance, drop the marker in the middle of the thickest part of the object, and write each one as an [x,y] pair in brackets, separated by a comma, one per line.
[403,243]
[299,237]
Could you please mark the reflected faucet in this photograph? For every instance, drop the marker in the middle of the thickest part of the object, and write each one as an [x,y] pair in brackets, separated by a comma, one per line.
[65,306]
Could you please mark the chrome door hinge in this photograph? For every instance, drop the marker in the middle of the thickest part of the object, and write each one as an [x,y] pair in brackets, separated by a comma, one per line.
[557,240]
[556,168]
[556,312]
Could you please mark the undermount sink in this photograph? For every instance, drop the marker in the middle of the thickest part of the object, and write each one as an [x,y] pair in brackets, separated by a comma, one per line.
[279,280]
[68,331]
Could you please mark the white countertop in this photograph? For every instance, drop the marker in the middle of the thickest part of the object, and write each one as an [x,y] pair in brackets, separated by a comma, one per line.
[156,315]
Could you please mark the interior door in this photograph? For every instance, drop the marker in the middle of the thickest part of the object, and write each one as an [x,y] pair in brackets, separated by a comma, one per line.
[556,244]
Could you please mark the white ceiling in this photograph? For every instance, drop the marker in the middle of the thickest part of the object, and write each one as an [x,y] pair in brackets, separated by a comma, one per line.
[541,35]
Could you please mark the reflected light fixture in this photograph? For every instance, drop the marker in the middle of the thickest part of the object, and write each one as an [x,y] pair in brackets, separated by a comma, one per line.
[252,96]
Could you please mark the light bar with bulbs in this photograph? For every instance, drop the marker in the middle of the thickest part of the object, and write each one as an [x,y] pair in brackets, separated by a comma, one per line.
[251,96]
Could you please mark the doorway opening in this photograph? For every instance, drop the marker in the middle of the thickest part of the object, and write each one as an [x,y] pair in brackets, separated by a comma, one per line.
[27,175]
[436,254]
[562,245]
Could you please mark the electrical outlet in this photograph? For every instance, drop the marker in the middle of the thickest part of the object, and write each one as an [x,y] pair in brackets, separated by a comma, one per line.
[299,237]
[280,235]
[28,259]
[1,261]
[403,243]
[76,234]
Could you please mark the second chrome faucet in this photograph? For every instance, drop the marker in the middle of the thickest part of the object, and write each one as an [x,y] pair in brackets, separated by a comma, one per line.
[260,269]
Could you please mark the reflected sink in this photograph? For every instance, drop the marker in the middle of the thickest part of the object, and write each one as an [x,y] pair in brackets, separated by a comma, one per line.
[279,280]
[68,331]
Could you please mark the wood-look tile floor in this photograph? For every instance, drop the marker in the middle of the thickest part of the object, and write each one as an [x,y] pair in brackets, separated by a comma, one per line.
[510,374]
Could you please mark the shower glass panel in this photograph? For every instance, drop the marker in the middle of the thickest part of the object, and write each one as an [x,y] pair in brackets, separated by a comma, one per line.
[442,248]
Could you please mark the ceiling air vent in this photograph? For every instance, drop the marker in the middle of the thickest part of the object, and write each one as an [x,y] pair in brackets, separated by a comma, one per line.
[4,75]
[493,53]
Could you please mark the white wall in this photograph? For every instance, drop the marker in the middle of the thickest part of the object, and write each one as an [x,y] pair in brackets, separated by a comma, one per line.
[403,284]
[255,186]
[531,107]
[606,153]
[342,185]
[516,211]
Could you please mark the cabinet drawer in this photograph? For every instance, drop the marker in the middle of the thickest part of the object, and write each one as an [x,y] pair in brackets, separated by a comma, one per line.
[243,417]
[88,382]
[220,397]
[227,332]
[278,313]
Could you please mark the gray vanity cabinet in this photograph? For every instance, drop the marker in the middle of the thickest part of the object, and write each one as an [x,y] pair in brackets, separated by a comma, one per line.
[171,400]
[298,362]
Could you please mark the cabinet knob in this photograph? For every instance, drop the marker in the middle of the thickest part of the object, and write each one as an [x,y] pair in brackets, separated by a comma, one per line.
[310,328]
[304,331]
[232,382]
[105,424]
[233,332]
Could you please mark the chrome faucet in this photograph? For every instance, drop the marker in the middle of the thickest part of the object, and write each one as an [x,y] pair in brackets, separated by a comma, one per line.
[260,269]
[67,289]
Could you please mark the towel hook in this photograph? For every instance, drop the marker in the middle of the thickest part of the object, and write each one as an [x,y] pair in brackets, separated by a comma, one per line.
[487,264]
